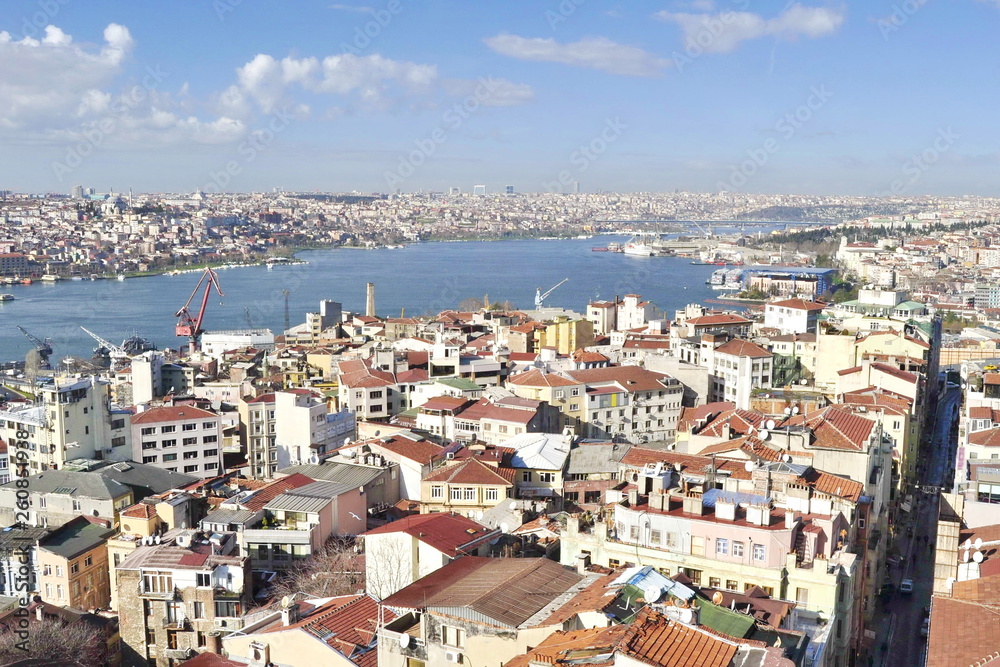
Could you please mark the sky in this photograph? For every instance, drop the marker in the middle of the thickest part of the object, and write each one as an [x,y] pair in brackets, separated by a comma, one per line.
[873,97]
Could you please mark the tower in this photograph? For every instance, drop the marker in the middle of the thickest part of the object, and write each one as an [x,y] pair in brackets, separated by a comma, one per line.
[370,300]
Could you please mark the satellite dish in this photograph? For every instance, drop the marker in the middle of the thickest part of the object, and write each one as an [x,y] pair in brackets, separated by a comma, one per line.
[378,433]
[803,381]
[965,556]
[769,424]
[717,597]
[763,435]
[503,527]
[404,640]
[479,515]
[978,556]
[788,411]
[748,466]
[685,616]
[286,602]
[968,544]
[157,540]
[978,543]
[795,410]
[949,582]
[787,458]
[651,594]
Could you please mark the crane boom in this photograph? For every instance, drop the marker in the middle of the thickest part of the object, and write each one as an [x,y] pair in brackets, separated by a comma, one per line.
[113,350]
[540,298]
[44,347]
[190,325]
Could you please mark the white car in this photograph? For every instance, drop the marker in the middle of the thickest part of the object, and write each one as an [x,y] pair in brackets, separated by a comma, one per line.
[906,586]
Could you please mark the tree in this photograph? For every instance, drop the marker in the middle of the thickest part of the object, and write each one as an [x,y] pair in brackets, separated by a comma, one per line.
[391,567]
[336,569]
[56,643]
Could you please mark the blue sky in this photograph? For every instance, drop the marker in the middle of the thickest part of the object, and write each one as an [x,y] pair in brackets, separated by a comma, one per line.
[854,97]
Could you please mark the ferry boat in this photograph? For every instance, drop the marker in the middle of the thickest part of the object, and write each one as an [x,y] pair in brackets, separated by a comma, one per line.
[636,247]
[718,279]
[734,281]
[50,278]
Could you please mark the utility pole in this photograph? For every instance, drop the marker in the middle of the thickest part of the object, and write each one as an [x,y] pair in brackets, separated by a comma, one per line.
[287,325]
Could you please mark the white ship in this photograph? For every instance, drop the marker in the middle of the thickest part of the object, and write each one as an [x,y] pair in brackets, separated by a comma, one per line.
[637,247]
[718,279]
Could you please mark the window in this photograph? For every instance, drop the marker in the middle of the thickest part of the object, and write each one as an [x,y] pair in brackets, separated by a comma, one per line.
[697,545]
[714,582]
[157,582]
[210,438]
[633,533]
[469,493]
[573,407]
[190,455]
[168,429]
[738,549]
[546,477]
[148,431]
[169,457]
[492,494]
[202,637]
[149,444]
[48,590]
[193,468]
[204,578]
[210,453]
[758,552]
[41,502]
[228,609]
[802,597]
[208,425]
[526,476]
[437,492]
[671,540]
[732,585]
[172,442]
[59,570]
[451,636]
[655,536]
[190,441]
[149,459]
[456,493]
[614,562]
[88,561]
[118,442]
[189,427]
[47,570]
[721,547]
[695,575]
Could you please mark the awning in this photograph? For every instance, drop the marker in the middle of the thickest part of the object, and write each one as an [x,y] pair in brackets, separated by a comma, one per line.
[534,492]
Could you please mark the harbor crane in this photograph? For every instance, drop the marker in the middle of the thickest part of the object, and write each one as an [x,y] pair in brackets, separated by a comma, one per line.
[540,298]
[119,355]
[43,347]
[190,325]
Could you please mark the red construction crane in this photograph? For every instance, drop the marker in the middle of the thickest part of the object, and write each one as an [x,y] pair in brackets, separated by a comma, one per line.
[188,325]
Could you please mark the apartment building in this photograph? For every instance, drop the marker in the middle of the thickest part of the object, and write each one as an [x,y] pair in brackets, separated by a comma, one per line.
[285,428]
[178,438]
[628,403]
[73,565]
[180,596]
[468,487]
[737,368]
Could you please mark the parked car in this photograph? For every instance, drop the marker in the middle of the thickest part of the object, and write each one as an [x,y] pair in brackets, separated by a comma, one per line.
[906,586]
[925,627]
[886,591]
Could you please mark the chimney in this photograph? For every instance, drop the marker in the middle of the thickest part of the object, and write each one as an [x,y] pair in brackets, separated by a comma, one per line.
[289,613]
[582,563]
[789,518]
[370,300]
[725,509]
[633,497]
[40,612]
[725,431]
[693,504]
[758,515]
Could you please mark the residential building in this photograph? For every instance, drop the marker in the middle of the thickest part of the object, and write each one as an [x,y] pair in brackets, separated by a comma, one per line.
[73,565]
[467,486]
[626,403]
[400,552]
[793,316]
[182,595]
[19,548]
[738,367]
[285,428]
[178,438]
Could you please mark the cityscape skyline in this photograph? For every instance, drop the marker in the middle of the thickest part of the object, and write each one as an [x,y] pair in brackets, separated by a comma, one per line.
[697,96]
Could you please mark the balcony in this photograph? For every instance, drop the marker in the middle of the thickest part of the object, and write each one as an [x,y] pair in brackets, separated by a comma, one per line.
[176,624]
[404,636]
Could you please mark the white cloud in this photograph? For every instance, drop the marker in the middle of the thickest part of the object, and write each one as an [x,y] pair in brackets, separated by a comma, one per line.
[597,53]
[56,90]
[725,31]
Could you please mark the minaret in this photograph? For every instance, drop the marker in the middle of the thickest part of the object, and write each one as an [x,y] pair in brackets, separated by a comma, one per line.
[370,301]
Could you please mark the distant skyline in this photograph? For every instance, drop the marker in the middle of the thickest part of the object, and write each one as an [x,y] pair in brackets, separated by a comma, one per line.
[853,98]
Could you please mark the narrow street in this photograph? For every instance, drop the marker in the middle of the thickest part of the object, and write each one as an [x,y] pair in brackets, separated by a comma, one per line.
[905,612]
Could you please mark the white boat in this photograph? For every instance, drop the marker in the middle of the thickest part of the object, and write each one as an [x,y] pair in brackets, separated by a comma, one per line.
[49,278]
[121,276]
[638,249]
[6,297]
[718,279]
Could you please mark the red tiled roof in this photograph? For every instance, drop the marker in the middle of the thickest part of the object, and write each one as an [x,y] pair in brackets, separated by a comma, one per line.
[274,489]
[470,471]
[638,457]
[980,412]
[444,403]
[347,624]
[449,533]
[895,372]
[835,428]
[139,511]
[798,304]
[422,451]
[987,438]
[538,378]
[833,485]
[716,320]
[632,378]
[963,632]
[743,348]
[171,413]
[656,640]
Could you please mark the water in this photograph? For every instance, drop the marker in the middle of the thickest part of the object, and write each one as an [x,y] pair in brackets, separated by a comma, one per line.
[423,278]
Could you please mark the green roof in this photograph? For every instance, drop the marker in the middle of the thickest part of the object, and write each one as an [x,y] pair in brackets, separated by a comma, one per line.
[911,305]
[74,538]
[462,384]
[412,412]
[724,620]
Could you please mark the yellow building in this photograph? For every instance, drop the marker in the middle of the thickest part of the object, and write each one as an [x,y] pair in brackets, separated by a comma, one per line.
[73,562]
[137,522]
[566,335]
[468,487]
[567,396]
